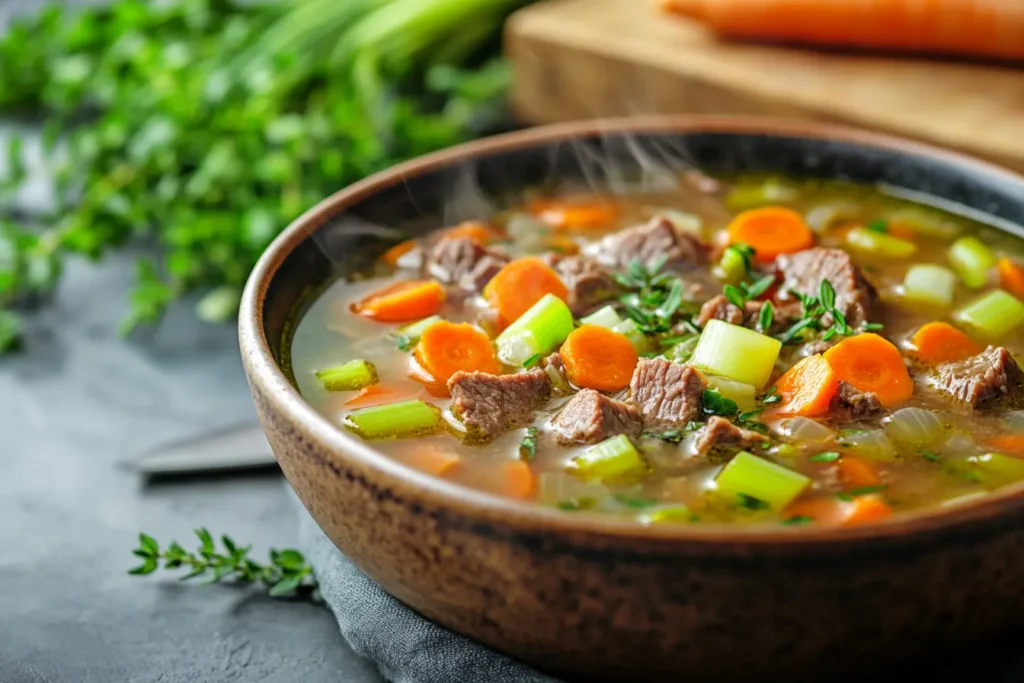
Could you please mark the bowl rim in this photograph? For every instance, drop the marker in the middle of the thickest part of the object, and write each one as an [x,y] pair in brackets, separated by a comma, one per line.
[524,516]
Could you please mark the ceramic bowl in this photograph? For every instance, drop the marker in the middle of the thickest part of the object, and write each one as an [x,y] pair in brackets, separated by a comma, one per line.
[594,598]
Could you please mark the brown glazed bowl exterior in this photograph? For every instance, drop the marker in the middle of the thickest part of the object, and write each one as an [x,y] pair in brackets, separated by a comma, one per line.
[592,598]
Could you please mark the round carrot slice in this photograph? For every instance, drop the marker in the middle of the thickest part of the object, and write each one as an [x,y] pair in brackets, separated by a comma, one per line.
[521,284]
[771,230]
[940,342]
[402,302]
[446,348]
[872,364]
[807,388]
[580,213]
[476,231]
[597,358]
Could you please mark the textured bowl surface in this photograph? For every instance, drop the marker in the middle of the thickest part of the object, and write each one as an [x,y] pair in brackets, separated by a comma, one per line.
[603,599]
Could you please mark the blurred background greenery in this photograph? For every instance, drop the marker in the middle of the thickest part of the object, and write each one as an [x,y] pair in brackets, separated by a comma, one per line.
[197,130]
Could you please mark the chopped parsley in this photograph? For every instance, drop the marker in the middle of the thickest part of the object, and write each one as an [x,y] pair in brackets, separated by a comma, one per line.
[878,225]
[798,520]
[771,396]
[814,309]
[931,456]
[652,298]
[750,502]
[713,403]
[404,342]
[634,502]
[862,491]
[827,456]
[765,319]
[532,360]
[528,446]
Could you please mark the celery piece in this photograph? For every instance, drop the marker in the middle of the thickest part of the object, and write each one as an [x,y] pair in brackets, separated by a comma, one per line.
[929,284]
[826,216]
[998,466]
[732,267]
[880,243]
[747,195]
[637,338]
[395,420]
[740,392]
[927,222]
[613,458]
[748,475]
[677,513]
[538,331]
[413,331]
[736,353]
[972,261]
[350,376]
[603,317]
[993,315]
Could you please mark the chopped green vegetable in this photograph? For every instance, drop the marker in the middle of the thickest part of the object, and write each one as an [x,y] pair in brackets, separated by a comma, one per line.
[652,298]
[746,474]
[611,459]
[603,317]
[972,261]
[637,338]
[880,244]
[528,446]
[765,318]
[668,514]
[407,335]
[532,360]
[993,315]
[634,502]
[537,332]
[867,490]
[713,403]
[931,284]
[931,456]
[751,503]
[742,395]
[395,420]
[736,353]
[682,351]
[751,194]
[827,456]
[998,466]
[350,376]
[798,520]
[735,263]
[878,225]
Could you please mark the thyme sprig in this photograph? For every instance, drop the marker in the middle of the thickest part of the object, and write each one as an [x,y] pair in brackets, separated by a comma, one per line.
[652,298]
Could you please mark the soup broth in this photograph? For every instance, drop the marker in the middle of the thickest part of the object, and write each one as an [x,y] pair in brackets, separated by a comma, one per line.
[756,352]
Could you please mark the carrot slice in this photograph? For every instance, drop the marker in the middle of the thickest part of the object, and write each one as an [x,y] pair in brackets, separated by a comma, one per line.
[940,342]
[807,388]
[562,244]
[872,364]
[1010,444]
[402,302]
[396,252]
[521,284]
[1011,277]
[379,394]
[832,511]
[580,213]
[432,459]
[865,509]
[771,230]
[857,472]
[902,230]
[517,480]
[476,231]
[446,348]
[597,358]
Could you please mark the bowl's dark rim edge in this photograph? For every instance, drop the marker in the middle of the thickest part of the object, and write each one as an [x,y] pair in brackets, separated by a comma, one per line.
[526,517]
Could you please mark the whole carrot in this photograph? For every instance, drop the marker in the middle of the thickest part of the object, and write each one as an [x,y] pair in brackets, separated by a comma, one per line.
[982,28]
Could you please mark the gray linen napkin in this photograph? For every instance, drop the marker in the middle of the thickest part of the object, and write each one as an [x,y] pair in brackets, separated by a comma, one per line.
[405,647]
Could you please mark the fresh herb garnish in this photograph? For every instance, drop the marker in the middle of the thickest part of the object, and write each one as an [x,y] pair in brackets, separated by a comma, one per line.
[746,254]
[878,225]
[750,502]
[576,504]
[287,574]
[671,435]
[634,502]
[735,296]
[827,456]
[866,490]
[771,396]
[532,360]
[652,299]
[766,317]
[797,520]
[528,446]
[713,403]
[931,456]
[403,342]
[872,327]
[814,310]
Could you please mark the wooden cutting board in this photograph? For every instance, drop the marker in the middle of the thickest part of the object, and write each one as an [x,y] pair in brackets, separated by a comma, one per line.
[578,59]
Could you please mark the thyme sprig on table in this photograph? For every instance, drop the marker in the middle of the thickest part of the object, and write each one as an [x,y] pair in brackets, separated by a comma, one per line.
[286,575]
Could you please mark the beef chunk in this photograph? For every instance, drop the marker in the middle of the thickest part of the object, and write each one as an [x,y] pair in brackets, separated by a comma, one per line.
[490,404]
[588,282]
[981,380]
[804,271]
[668,394]
[460,260]
[651,242]
[720,308]
[590,417]
[851,404]
[720,433]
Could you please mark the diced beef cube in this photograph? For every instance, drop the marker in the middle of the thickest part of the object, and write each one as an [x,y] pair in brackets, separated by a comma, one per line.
[460,260]
[555,368]
[588,282]
[719,433]
[851,404]
[667,394]
[803,272]
[491,404]
[981,380]
[650,243]
[720,308]
[590,417]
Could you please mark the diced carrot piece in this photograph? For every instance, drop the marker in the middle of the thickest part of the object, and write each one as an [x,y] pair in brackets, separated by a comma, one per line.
[432,459]
[857,472]
[396,252]
[479,232]
[807,388]
[867,509]
[771,230]
[902,230]
[521,284]
[1011,277]
[517,480]
[1010,444]
[402,302]
[940,342]
[831,511]
[581,213]
[872,364]
[446,348]
[597,358]
[562,244]
[379,394]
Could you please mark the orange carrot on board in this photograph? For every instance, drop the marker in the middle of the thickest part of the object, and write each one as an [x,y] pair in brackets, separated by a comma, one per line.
[396,252]
[576,213]
[1011,277]
[857,472]
[1008,444]
[983,28]
[402,302]
[597,358]
[771,230]
[807,388]
[521,284]
[445,348]
[832,511]
[478,232]
[872,364]
[940,342]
